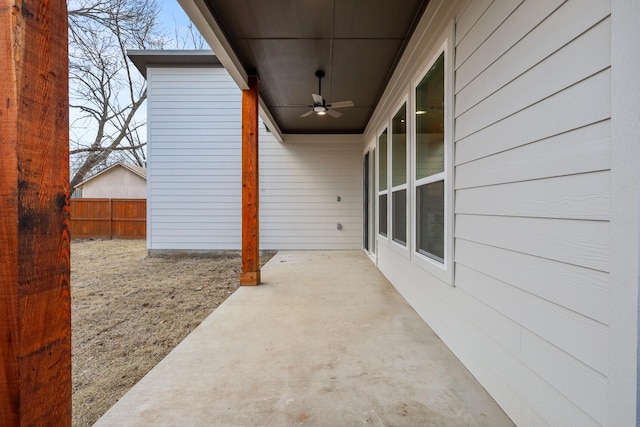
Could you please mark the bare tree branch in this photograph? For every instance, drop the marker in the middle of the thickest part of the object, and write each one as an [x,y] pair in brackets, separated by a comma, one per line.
[123,148]
[105,93]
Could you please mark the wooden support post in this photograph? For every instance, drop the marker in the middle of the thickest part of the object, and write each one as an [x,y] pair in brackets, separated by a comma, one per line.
[250,274]
[35,302]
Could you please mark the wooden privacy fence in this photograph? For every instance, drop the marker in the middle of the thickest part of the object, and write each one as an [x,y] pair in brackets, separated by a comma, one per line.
[108,218]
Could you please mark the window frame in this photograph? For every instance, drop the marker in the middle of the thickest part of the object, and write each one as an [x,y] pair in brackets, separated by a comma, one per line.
[442,270]
[403,249]
[371,150]
[384,237]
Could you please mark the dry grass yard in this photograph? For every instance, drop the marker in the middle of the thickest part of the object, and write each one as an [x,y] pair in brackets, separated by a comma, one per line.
[129,311]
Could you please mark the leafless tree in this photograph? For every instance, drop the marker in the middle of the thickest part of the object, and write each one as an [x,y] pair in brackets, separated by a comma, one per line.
[189,38]
[105,92]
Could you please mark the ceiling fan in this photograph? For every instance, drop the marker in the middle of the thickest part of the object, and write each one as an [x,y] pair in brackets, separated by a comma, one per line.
[320,105]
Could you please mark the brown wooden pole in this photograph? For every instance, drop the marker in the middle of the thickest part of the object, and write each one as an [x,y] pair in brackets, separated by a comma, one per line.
[35,303]
[250,274]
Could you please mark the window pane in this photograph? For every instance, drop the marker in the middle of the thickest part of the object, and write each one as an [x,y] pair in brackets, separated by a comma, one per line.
[430,121]
[430,220]
[399,147]
[399,206]
[382,159]
[382,217]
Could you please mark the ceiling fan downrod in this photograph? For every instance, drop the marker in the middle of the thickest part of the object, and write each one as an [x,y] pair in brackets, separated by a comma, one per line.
[320,75]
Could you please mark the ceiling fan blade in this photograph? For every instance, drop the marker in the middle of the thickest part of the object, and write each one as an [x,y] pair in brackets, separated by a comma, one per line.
[341,104]
[334,114]
[308,113]
[317,99]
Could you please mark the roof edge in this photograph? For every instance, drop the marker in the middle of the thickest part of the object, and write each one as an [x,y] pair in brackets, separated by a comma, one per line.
[131,168]
[143,59]
[201,16]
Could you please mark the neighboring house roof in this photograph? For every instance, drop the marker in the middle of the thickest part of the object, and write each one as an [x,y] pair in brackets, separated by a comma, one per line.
[138,170]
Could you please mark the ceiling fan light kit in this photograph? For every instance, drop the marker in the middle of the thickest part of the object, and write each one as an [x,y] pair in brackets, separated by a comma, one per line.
[320,105]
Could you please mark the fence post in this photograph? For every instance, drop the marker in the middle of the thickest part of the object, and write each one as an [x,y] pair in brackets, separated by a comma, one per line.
[110,219]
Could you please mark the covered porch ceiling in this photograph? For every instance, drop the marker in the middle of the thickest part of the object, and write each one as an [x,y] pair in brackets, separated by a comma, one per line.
[356,43]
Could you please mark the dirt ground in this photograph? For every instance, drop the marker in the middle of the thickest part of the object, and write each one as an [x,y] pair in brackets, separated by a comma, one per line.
[129,311]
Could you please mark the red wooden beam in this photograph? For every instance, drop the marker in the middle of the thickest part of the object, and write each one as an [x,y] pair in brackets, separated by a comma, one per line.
[250,274]
[35,303]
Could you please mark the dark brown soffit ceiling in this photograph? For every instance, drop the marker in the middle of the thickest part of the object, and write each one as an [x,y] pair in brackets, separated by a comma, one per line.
[357,43]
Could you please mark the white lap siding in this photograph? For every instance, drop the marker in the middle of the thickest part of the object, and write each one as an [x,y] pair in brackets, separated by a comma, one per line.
[300,183]
[195,173]
[194,160]
[533,192]
[529,311]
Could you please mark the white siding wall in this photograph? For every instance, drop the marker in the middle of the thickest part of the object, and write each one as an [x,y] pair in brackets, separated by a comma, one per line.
[529,312]
[300,182]
[194,160]
[195,169]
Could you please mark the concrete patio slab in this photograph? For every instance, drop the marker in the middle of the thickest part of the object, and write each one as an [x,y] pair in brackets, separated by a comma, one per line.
[324,341]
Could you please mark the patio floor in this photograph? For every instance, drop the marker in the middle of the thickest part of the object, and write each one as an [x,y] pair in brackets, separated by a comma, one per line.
[324,341]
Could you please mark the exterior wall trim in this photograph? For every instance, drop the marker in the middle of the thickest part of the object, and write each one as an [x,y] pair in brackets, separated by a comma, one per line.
[625,213]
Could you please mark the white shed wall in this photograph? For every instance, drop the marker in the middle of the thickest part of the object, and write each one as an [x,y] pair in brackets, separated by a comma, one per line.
[194,174]
[529,311]
[117,183]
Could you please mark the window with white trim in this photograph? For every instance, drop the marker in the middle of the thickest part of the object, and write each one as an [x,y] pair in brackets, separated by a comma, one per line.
[399,176]
[430,177]
[382,184]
